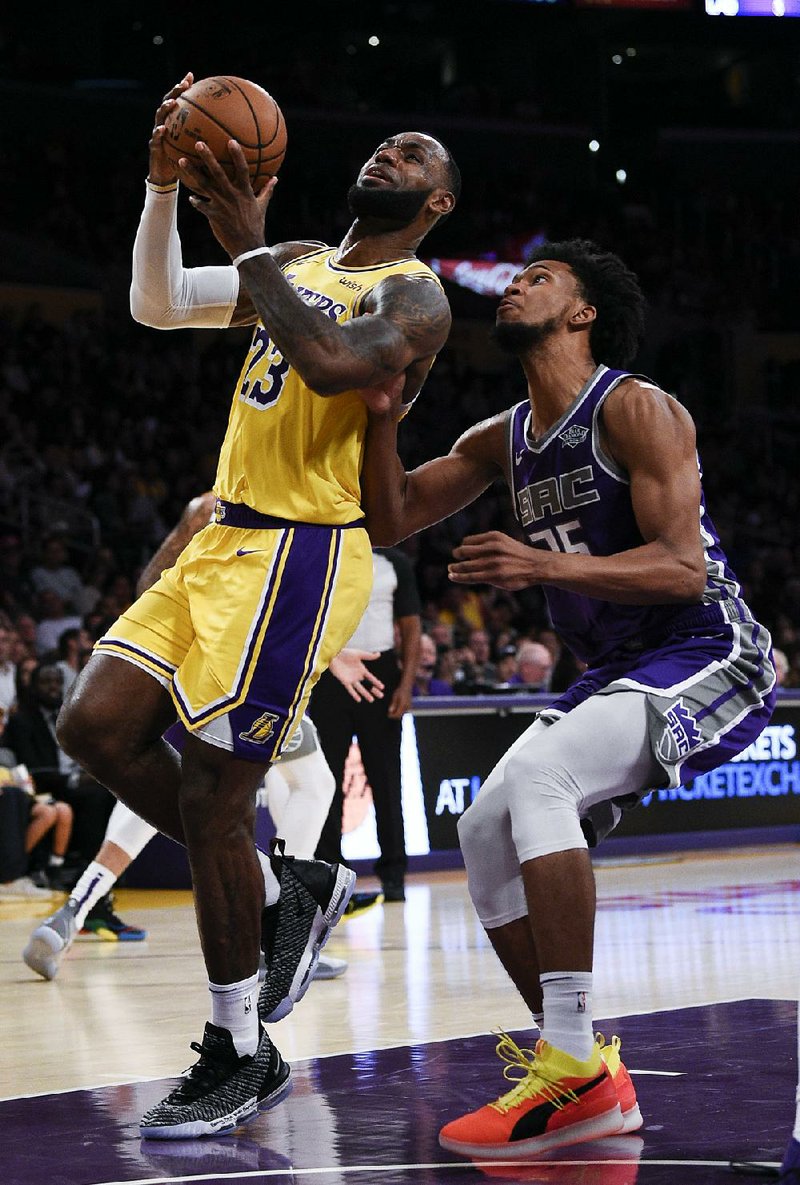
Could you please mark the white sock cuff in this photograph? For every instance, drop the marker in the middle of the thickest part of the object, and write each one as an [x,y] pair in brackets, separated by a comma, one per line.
[244,986]
[574,981]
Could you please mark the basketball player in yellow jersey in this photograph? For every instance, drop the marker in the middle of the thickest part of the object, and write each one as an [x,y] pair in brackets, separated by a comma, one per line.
[232,639]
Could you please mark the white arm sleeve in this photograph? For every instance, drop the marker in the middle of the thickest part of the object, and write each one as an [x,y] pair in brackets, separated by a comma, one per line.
[165,294]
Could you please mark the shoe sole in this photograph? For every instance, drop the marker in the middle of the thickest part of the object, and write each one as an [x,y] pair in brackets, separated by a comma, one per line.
[632,1119]
[610,1123]
[201,1129]
[43,952]
[319,935]
[328,972]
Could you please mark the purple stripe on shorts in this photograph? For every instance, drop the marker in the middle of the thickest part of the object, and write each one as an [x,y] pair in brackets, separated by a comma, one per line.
[119,644]
[292,639]
[265,602]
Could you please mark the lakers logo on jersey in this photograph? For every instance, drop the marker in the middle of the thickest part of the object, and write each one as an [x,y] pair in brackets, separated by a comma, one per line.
[261,729]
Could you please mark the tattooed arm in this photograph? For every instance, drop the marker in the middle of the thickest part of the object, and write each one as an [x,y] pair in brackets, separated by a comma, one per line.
[410,322]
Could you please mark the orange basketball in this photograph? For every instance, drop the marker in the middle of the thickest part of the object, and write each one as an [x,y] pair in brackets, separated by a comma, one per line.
[219,109]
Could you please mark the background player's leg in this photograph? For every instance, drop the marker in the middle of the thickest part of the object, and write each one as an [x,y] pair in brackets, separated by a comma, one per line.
[112,724]
[303,809]
[89,901]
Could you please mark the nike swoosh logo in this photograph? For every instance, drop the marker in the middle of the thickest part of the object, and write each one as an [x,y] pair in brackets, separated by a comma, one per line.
[518,456]
[248,551]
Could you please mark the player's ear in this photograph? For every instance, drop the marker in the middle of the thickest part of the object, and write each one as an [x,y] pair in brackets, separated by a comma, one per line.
[584,315]
[441,202]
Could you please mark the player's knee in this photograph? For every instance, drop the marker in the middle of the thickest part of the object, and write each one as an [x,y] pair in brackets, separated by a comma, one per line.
[86,732]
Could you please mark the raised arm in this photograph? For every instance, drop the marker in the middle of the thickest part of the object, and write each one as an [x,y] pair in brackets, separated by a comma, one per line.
[652,437]
[398,504]
[410,317]
[164,294]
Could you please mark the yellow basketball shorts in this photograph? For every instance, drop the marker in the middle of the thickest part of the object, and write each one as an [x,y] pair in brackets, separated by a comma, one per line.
[240,629]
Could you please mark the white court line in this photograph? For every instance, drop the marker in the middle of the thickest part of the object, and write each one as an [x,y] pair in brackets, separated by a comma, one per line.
[393,1168]
[413,1044]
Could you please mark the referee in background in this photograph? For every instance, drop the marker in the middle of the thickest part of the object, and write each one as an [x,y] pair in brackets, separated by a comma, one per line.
[392,627]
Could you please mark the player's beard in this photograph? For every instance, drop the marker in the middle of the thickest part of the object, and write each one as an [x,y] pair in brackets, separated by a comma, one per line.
[399,206]
[520,337]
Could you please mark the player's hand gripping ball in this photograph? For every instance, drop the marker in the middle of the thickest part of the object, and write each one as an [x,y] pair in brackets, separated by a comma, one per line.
[216,110]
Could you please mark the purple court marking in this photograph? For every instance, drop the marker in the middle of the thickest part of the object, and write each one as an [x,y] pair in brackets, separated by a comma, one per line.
[707,900]
[734,1098]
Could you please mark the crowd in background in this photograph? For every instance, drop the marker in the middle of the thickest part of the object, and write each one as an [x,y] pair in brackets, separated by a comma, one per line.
[107,430]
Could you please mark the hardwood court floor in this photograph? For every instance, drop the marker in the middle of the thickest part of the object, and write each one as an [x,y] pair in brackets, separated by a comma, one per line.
[681,935]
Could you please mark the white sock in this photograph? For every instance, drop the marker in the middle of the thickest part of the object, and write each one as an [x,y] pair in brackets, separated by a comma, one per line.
[94,884]
[55,861]
[538,1020]
[568,1012]
[272,886]
[234,1006]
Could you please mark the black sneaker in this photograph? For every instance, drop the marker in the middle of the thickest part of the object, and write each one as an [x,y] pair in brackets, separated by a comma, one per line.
[104,923]
[360,902]
[220,1091]
[294,930]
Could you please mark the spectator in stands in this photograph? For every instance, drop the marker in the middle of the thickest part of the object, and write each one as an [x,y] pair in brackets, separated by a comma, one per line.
[534,666]
[55,574]
[426,681]
[53,620]
[483,669]
[15,812]
[781,665]
[74,649]
[31,737]
[24,643]
[8,672]
[507,673]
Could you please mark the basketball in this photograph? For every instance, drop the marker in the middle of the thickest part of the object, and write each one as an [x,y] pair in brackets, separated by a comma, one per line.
[219,109]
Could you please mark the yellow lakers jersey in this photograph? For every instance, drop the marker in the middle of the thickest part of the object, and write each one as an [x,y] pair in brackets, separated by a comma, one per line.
[289,452]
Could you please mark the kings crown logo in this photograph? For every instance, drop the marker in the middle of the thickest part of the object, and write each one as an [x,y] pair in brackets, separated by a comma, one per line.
[683,727]
[574,435]
[261,729]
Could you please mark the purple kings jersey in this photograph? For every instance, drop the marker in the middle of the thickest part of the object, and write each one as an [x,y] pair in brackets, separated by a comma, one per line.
[569,495]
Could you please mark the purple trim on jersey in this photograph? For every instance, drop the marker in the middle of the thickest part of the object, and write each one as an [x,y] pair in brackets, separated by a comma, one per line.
[569,496]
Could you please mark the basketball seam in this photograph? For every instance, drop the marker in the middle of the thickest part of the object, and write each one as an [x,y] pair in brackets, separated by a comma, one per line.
[258,146]
[245,96]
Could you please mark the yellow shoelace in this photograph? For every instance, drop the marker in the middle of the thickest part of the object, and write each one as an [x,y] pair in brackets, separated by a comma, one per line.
[526,1068]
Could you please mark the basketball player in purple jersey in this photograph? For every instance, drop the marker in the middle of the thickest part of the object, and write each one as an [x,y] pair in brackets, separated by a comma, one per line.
[606,487]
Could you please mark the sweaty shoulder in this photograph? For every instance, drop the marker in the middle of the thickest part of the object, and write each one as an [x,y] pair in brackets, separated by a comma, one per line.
[638,412]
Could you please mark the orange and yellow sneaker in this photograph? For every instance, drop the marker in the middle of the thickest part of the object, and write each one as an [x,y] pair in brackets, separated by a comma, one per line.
[557,1100]
[631,1115]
